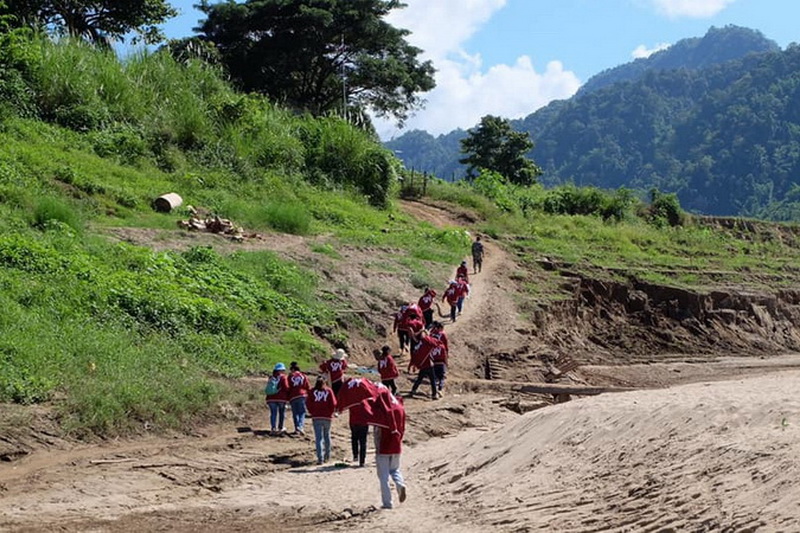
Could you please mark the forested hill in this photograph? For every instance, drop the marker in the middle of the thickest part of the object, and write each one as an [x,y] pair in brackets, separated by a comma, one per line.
[717,46]
[724,137]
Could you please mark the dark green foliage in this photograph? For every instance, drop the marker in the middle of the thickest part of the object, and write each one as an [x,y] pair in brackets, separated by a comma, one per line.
[312,54]
[99,21]
[714,121]
[665,209]
[571,200]
[494,146]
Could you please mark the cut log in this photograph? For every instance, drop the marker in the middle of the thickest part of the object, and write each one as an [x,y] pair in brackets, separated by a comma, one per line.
[167,202]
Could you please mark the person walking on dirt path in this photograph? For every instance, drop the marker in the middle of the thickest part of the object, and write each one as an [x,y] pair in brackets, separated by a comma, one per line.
[358,432]
[321,404]
[463,292]
[298,390]
[426,305]
[399,326]
[440,357]
[335,368]
[462,271]
[477,255]
[415,327]
[387,367]
[422,360]
[277,396]
[388,449]
[451,295]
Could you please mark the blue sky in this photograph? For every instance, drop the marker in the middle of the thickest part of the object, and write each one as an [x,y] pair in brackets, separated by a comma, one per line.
[510,57]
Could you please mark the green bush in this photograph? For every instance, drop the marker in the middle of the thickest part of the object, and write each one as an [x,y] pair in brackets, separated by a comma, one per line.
[665,209]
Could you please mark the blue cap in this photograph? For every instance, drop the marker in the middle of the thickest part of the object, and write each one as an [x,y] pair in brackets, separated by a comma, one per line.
[279,366]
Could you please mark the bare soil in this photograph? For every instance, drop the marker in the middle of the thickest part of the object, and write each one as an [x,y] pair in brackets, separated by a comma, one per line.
[706,442]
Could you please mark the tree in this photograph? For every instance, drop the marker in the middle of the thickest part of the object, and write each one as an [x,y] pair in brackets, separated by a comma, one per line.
[320,55]
[99,21]
[495,146]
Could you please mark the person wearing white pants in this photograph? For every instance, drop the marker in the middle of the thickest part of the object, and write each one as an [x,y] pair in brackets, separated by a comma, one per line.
[389,467]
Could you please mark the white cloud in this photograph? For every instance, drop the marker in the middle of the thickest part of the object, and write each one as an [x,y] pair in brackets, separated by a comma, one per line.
[642,51]
[465,89]
[691,8]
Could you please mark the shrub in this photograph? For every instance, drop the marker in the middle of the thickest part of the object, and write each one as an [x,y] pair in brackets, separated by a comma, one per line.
[665,209]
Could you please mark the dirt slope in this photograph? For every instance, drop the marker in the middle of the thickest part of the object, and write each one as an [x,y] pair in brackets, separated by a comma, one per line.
[697,457]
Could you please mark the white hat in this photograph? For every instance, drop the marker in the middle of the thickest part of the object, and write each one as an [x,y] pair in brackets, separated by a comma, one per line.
[339,354]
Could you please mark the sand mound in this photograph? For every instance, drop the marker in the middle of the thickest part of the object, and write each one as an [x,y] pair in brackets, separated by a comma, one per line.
[715,456]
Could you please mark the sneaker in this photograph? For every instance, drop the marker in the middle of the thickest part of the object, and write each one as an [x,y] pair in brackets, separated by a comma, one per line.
[401,493]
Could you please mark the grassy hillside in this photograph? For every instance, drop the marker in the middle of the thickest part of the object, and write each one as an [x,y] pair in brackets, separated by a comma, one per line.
[114,336]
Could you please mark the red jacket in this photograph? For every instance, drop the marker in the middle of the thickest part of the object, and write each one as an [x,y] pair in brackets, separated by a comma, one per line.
[334,368]
[424,350]
[462,271]
[463,289]
[390,442]
[388,368]
[414,326]
[442,336]
[321,403]
[359,415]
[283,389]
[298,385]
[452,294]
[427,299]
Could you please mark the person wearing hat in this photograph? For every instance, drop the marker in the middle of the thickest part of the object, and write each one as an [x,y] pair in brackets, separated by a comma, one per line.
[298,390]
[277,396]
[321,404]
[335,367]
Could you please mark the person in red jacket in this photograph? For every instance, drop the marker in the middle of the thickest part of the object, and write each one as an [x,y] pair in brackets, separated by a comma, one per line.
[414,326]
[358,432]
[277,396]
[463,292]
[388,448]
[335,367]
[440,357]
[451,295]
[298,390]
[399,326]
[426,305]
[462,271]
[422,359]
[387,368]
[321,404]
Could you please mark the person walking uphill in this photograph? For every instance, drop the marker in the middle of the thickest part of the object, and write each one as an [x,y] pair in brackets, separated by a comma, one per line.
[451,295]
[387,368]
[426,305]
[335,367]
[422,358]
[477,255]
[298,390]
[388,448]
[321,404]
[462,271]
[277,396]
[358,432]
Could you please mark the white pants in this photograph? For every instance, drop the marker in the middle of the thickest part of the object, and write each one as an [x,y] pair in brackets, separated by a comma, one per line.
[388,466]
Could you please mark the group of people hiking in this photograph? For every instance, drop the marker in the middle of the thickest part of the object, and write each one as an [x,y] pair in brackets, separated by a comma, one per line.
[368,403]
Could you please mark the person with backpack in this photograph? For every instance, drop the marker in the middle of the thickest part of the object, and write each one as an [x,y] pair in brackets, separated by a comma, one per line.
[335,368]
[277,396]
[426,305]
[422,358]
[298,390]
[477,255]
[321,404]
[451,295]
[387,368]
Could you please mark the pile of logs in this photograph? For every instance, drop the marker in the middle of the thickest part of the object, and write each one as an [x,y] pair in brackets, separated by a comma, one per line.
[213,224]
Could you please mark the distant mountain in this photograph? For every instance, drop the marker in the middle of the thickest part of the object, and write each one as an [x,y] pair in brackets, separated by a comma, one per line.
[717,46]
[715,120]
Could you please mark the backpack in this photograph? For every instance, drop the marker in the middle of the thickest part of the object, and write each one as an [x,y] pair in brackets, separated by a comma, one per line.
[273,385]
